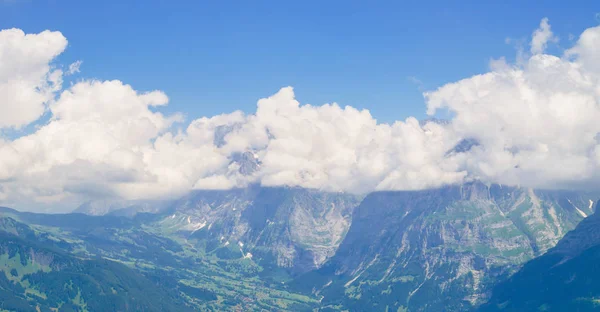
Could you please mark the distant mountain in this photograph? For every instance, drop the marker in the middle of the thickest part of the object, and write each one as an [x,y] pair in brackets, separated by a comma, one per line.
[121,207]
[440,250]
[37,276]
[247,162]
[564,279]
[292,229]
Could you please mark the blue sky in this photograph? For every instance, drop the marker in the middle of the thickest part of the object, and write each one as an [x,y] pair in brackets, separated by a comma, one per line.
[213,57]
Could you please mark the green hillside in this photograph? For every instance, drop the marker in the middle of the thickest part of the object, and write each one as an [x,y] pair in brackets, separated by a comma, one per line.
[38,277]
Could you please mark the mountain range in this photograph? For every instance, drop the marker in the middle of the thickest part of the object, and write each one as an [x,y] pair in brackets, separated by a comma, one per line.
[259,248]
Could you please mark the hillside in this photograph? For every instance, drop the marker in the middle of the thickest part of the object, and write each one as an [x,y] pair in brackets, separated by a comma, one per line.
[440,250]
[37,276]
[564,279]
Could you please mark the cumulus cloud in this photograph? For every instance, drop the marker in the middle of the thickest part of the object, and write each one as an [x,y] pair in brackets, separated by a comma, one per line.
[537,123]
[95,142]
[27,80]
[541,37]
[74,68]
[533,123]
[340,149]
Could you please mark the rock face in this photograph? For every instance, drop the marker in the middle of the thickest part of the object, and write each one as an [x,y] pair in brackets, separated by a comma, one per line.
[440,250]
[290,228]
[247,163]
[564,279]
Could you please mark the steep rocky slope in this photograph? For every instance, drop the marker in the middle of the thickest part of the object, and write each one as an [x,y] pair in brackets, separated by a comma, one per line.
[440,250]
[564,279]
[290,228]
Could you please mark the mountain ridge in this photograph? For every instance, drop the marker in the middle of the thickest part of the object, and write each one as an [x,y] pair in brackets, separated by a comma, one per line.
[439,249]
[563,279]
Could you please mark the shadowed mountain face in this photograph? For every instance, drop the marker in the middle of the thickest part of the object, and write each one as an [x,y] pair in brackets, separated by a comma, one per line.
[440,250]
[564,279]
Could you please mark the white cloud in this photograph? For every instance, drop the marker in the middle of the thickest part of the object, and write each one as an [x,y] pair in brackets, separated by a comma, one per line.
[94,143]
[541,37]
[27,80]
[338,148]
[587,49]
[536,124]
[74,68]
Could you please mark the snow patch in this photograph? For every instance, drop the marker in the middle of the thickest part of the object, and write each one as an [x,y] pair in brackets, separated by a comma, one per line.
[578,210]
[197,226]
[581,212]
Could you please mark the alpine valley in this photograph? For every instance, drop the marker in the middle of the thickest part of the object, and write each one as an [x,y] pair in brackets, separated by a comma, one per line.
[294,249]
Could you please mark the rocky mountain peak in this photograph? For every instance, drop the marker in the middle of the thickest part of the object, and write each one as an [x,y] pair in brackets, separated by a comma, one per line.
[475,190]
[248,162]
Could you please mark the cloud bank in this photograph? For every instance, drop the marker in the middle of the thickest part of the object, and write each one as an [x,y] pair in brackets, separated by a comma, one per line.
[535,123]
